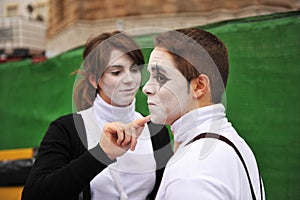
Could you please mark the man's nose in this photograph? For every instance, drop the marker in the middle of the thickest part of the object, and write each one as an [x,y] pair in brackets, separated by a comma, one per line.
[149,88]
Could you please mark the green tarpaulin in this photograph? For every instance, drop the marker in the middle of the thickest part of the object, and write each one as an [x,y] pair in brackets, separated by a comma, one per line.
[261,97]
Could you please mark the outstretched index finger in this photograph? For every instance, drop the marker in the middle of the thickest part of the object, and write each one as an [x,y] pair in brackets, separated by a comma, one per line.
[141,122]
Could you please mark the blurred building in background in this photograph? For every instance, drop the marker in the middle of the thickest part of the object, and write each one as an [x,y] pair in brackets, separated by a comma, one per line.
[57,26]
[23,29]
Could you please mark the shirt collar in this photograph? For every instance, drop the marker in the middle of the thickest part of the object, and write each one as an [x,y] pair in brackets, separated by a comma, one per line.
[201,120]
[108,113]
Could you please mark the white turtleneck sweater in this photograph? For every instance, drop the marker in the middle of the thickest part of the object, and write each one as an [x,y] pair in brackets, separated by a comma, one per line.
[208,168]
[133,175]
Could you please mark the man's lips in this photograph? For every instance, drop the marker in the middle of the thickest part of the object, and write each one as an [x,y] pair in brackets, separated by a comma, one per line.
[150,103]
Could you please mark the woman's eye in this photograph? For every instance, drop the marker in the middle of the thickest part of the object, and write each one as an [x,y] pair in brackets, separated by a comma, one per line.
[135,68]
[115,73]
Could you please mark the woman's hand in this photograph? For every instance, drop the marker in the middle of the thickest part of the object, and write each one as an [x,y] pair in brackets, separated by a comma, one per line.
[117,137]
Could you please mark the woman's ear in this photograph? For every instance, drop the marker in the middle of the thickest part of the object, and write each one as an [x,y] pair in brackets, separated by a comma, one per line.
[200,85]
[92,80]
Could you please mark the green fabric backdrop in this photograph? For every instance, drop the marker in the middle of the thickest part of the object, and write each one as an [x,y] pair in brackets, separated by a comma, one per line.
[261,96]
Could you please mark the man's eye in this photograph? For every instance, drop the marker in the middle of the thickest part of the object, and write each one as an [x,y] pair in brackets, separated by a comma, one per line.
[161,79]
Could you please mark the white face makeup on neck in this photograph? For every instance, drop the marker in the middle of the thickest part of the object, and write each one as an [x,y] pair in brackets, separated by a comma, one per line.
[120,81]
[169,93]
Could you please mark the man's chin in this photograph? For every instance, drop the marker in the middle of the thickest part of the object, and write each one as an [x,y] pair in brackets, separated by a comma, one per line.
[158,120]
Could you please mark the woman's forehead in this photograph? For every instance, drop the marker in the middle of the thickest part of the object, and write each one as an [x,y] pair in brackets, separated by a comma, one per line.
[117,57]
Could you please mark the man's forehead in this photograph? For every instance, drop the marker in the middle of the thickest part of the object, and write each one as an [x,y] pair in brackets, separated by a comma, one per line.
[161,59]
[159,52]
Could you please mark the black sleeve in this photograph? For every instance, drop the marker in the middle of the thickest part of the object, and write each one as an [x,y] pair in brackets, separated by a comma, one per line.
[162,148]
[63,167]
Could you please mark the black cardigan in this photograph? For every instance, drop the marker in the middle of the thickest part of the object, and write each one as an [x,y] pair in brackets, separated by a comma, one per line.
[64,168]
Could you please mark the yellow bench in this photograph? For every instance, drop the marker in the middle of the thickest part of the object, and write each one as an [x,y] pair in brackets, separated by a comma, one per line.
[13,192]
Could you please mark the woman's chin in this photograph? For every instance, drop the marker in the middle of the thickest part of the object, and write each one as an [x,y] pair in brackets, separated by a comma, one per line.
[123,102]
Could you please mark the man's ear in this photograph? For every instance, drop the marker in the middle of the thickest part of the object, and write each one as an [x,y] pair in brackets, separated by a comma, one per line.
[92,80]
[200,85]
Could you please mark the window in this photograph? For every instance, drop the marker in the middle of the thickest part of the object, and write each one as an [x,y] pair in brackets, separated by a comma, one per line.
[12,10]
[41,11]
[41,8]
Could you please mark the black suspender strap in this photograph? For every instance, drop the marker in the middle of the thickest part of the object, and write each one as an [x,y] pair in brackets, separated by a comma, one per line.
[224,139]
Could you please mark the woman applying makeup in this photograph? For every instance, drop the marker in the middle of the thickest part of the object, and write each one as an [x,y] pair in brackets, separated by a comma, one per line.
[74,161]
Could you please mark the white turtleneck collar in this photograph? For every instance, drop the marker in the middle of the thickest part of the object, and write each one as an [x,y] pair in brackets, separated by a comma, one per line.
[206,119]
[105,112]
[138,164]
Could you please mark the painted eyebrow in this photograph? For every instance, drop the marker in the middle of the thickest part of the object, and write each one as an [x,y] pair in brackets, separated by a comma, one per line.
[158,68]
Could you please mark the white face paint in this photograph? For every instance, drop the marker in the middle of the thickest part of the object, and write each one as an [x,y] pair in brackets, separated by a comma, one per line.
[120,81]
[169,95]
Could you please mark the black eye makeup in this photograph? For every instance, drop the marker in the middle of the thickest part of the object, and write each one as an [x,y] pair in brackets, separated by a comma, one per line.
[159,76]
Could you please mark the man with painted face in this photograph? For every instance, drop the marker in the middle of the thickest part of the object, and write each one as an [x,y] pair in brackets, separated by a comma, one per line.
[188,74]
